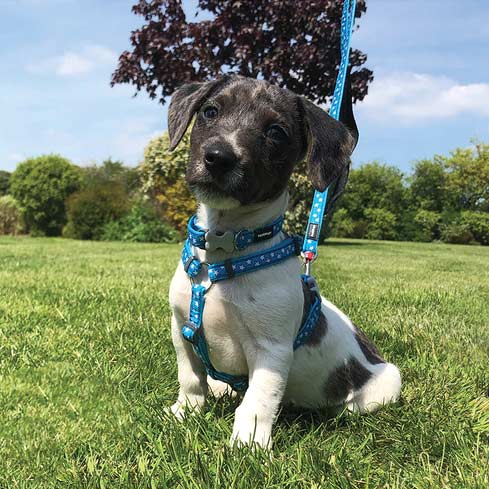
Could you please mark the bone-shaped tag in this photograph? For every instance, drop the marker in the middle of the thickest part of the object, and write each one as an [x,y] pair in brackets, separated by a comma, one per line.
[223,241]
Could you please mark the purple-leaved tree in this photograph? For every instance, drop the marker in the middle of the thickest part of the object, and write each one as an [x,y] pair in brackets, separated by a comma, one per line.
[291,43]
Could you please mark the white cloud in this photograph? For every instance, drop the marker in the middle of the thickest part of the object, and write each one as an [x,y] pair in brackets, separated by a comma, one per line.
[72,63]
[412,97]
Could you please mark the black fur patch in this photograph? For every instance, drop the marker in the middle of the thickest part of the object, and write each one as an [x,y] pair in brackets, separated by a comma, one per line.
[368,348]
[318,332]
[345,379]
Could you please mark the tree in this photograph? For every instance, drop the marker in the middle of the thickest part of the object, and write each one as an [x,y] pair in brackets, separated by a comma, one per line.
[468,177]
[4,182]
[375,186]
[381,224]
[429,185]
[294,47]
[427,225]
[41,186]
[111,172]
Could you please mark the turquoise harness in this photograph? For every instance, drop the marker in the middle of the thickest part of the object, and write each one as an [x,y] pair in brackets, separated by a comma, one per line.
[291,246]
[192,329]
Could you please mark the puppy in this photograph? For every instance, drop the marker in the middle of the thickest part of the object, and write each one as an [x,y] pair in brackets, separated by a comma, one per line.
[247,138]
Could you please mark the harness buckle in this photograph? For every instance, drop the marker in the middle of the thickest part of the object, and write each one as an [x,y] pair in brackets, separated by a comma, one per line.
[189,261]
[190,332]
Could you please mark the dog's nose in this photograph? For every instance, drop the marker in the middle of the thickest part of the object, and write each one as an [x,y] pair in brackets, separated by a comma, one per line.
[219,159]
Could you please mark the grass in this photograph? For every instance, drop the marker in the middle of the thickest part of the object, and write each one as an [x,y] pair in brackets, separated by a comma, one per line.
[87,366]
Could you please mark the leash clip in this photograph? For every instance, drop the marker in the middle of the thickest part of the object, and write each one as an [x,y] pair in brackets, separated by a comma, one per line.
[308,257]
[190,332]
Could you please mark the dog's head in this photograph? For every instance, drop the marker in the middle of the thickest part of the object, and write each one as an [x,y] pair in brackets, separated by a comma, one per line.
[248,136]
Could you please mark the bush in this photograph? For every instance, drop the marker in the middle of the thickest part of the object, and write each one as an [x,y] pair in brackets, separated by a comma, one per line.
[90,209]
[427,225]
[41,186]
[10,215]
[456,233]
[142,224]
[381,224]
[301,193]
[342,225]
[4,182]
[111,172]
[478,225]
[163,180]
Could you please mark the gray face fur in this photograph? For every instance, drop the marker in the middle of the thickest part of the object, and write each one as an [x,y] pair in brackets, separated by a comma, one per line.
[248,136]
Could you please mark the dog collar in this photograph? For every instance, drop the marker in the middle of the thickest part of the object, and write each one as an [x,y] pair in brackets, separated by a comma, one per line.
[229,240]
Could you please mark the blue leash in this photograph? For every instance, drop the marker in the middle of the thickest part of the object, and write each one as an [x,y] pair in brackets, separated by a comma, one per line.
[192,330]
[320,200]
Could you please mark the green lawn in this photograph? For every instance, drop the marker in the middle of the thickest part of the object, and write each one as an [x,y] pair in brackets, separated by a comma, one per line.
[87,366]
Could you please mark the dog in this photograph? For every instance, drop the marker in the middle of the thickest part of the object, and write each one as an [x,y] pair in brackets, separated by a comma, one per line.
[247,137]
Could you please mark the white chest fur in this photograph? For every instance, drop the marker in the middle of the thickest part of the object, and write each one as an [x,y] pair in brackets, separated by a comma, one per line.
[243,314]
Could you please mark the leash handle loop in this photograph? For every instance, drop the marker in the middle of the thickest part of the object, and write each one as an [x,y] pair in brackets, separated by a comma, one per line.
[320,200]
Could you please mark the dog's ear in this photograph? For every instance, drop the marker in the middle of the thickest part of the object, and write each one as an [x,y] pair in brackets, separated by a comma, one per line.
[185,102]
[329,146]
[330,143]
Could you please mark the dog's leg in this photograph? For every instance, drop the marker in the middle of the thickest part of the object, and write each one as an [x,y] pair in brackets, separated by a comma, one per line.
[256,414]
[192,376]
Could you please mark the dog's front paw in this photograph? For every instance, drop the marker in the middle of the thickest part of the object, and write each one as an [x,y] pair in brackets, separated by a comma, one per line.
[188,407]
[251,436]
[178,410]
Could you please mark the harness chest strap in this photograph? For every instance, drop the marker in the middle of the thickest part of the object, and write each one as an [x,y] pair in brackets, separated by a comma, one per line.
[192,329]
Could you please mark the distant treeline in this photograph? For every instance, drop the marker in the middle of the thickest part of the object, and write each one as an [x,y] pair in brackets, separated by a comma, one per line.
[445,198]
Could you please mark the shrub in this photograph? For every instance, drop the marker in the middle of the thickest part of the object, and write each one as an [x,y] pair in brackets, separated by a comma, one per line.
[41,186]
[163,180]
[360,229]
[300,199]
[142,224]
[109,172]
[10,215]
[427,225]
[90,209]
[381,224]
[456,233]
[478,225]
[342,225]
[4,182]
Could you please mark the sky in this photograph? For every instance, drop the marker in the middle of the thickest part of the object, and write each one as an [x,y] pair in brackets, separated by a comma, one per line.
[430,93]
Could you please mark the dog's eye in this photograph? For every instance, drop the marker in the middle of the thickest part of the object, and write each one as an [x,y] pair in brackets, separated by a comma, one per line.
[210,112]
[277,134]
